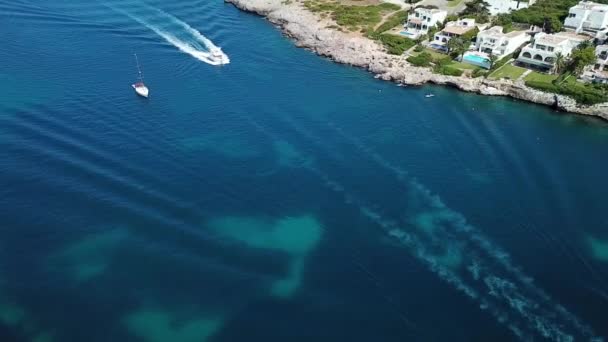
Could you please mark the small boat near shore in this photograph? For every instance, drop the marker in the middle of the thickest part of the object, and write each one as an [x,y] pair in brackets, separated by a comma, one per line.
[429,95]
[140,87]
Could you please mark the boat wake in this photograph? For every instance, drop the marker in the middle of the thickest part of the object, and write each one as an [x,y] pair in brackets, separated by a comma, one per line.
[457,252]
[183,36]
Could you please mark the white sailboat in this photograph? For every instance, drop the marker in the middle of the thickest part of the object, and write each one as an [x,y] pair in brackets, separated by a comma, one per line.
[140,87]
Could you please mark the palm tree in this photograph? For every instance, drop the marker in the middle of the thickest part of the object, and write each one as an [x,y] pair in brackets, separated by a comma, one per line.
[457,47]
[560,62]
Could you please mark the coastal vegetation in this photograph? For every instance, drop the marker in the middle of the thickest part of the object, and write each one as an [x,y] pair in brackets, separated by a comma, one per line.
[395,45]
[372,20]
[393,20]
[352,17]
[566,84]
[423,59]
[588,94]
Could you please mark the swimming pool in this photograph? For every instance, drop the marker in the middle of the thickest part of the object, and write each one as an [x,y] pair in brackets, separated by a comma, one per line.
[477,60]
[405,33]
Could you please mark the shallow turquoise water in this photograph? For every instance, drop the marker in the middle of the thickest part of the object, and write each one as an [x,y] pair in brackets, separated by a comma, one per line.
[280,197]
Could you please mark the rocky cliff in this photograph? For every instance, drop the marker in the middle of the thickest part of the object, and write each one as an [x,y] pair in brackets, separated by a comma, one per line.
[309,31]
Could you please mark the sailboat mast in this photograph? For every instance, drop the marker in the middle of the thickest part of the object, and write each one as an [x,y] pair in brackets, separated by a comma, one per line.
[141,76]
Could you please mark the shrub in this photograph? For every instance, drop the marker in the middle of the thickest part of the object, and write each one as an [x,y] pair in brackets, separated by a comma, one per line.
[544,86]
[448,70]
[422,60]
[443,61]
[419,48]
[479,73]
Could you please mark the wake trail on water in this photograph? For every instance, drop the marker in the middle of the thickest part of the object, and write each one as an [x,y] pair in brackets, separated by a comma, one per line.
[195,45]
[483,272]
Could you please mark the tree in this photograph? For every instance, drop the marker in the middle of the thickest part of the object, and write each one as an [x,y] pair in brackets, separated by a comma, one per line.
[585,44]
[504,20]
[552,24]
[479,9]
[457,46]
[582,56]
[476,7]
[560,63]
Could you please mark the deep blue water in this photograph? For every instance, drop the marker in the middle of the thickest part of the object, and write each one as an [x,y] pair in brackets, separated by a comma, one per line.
[280,197]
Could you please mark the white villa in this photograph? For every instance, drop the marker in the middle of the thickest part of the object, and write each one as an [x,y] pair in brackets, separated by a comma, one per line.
[598,73]
[541,53]
[505,6]
[422,20]
[452,29]
[494,42]
[588,17]
[602,36]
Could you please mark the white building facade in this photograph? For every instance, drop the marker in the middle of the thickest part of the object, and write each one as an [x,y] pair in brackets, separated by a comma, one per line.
[494,42]
[598,73]
[587,17]
[505,6]
[452,29]
[422,20]
[542,52]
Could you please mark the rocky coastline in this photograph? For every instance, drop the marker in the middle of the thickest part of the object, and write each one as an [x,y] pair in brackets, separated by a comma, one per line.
[308,31]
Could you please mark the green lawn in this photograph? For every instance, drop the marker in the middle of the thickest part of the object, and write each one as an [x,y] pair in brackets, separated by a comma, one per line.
[436,55]
[540,77]
[463,66]
[508,71]
[571,80]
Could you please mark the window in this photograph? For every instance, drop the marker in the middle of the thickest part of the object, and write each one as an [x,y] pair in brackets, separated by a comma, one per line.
[549,59]
[538,57]
[550,49]
[527,55]
[571,15]
[436,38]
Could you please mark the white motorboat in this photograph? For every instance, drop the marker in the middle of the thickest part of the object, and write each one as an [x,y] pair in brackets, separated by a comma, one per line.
[219,56]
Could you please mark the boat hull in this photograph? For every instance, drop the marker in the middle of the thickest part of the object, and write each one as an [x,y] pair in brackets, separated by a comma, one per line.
[141,90]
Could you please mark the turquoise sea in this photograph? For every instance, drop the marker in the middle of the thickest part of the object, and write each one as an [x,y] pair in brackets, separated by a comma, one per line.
[280,197]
